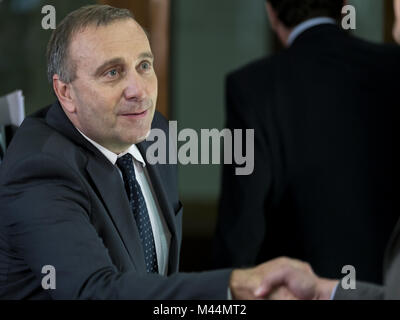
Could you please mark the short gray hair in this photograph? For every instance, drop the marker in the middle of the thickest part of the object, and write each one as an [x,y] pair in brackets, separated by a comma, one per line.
[58,60]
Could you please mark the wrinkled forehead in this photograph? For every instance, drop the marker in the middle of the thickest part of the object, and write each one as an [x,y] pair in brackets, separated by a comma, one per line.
[124,38]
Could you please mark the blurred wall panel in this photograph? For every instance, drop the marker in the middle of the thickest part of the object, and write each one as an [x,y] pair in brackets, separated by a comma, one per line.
[23,48]
[370,19]
[209,39]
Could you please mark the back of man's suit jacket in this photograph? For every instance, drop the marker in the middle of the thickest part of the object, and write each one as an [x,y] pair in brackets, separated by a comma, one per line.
[63,204]
[323,111]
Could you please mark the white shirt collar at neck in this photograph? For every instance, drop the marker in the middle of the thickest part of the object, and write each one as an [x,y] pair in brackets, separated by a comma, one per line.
[299,29]
[111,156]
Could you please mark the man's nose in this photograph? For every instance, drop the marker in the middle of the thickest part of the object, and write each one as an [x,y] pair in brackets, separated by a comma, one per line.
[135,87]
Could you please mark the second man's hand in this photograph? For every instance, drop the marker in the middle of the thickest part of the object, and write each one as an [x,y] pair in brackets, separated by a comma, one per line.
[280,279]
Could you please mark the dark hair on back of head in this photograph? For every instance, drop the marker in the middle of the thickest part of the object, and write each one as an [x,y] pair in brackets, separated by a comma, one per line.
[293,12]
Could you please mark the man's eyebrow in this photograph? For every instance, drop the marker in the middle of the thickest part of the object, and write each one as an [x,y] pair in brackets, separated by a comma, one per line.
[108,63]
[148,55]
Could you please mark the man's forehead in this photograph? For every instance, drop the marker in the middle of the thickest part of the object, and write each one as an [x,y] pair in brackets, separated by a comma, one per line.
[124,35]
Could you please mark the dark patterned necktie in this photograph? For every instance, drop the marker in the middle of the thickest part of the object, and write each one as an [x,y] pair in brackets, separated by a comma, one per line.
[139,209]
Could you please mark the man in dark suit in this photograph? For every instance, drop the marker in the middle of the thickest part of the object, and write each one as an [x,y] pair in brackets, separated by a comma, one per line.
[322,288]
[83,214]
[323,115]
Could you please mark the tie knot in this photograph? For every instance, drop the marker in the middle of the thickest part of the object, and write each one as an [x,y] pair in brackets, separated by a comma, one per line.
[125,164]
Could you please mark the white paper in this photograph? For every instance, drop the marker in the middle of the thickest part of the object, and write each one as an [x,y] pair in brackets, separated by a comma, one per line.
[12,108]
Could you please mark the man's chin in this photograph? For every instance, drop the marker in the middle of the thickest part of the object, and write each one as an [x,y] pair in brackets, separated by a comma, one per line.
[140,138]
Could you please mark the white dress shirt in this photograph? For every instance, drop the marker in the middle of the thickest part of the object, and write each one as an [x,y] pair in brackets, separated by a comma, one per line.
[161,233]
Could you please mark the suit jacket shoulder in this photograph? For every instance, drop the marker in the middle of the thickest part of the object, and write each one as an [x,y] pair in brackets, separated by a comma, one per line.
[363,291]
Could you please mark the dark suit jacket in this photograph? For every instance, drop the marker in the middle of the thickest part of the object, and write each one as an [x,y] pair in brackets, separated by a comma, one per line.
[323,111]
[62,203]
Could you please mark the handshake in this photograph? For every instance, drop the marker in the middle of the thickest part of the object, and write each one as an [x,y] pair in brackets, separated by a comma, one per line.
[280,279]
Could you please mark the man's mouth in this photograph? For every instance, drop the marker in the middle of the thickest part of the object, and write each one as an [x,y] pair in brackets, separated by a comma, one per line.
[135,115]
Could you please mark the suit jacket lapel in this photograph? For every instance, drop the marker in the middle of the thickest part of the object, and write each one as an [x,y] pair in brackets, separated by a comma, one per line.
[112,192]
[108,184]
[166,208]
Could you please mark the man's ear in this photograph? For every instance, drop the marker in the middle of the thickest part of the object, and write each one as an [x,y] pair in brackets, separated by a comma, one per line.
[272,16]
[63,92]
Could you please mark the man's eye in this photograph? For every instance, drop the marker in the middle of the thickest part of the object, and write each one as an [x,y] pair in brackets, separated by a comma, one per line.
[112,73]
[145,65]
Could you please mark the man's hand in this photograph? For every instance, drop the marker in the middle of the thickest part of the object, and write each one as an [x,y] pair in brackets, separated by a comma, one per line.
[280,279]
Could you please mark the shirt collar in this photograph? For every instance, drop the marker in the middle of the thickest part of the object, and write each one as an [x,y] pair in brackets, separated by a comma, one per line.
[307,25]
[111,156]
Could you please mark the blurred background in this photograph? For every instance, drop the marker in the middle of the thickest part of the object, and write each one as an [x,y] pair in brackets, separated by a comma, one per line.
[195,43]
